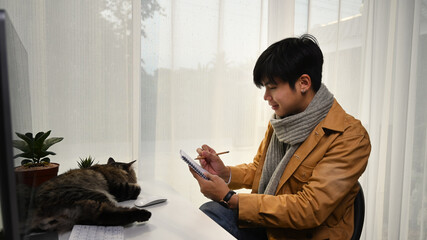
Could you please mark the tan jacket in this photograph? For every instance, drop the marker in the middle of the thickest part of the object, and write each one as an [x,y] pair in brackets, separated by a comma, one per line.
[315,195]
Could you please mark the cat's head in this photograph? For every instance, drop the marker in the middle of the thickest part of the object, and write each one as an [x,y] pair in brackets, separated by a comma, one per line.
[127,167]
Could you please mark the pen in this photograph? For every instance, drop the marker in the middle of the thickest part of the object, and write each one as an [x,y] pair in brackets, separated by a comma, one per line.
[198,158]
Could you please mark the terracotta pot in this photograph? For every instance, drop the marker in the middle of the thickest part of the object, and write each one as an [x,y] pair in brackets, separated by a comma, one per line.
[35,176]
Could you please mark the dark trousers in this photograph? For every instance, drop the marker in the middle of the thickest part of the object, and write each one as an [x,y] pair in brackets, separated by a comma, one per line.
[228,218]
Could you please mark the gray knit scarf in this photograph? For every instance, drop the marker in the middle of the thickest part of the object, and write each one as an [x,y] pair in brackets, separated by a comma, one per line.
[289,133]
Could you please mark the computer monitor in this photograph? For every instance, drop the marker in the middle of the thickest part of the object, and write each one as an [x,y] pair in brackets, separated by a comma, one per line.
[15,115]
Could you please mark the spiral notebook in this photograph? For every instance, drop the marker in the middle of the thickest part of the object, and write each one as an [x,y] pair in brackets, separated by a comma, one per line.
[89,232]
[195,166]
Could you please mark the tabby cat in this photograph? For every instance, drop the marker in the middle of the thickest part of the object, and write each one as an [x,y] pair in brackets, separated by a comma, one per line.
[88,196]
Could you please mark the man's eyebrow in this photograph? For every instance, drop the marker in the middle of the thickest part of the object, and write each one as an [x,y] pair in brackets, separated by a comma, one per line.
[270,82]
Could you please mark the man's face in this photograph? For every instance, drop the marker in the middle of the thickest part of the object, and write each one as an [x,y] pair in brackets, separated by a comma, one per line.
[284,100]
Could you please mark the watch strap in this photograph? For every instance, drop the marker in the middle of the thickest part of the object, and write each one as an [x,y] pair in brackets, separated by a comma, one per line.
[228,196]
[226,199]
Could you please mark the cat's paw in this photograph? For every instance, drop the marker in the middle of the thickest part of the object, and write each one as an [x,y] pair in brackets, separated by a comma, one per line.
[142,215]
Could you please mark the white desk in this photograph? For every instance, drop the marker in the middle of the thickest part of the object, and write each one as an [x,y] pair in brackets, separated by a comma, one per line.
[174,219]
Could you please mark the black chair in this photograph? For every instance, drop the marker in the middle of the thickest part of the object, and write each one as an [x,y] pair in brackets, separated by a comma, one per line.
[359,214]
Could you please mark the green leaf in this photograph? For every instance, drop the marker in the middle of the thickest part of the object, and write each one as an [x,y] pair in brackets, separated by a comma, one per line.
[25,155]
[28,138]
[51,153]
[41,136]
[38,135]
[49,142]
[35,148]
[86,163]
[44,154]
[46,160]
[39,140]
[29,135]
[26,161]
[21,145]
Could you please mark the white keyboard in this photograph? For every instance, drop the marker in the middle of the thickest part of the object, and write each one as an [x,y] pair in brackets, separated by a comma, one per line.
[91,232]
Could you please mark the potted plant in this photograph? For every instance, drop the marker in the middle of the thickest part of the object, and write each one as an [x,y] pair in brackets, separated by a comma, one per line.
[36,167]
[86,162]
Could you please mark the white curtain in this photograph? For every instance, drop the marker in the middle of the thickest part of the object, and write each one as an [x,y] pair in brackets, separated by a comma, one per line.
[375,64]
[394,54]
[197,60]
[197,88]
[196,85]
[84,69]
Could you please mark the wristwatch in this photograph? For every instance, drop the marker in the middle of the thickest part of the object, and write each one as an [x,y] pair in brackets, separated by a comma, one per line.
[226,199]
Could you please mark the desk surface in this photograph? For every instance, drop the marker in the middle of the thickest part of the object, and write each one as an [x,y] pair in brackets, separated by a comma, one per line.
[176,218]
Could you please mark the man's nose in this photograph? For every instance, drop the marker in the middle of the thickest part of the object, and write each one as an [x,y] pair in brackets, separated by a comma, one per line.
[267,96]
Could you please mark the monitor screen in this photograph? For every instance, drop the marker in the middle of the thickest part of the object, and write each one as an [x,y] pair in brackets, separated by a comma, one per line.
[15,117]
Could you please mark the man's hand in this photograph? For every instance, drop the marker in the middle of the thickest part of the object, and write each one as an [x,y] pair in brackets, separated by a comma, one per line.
[212,163]
[215,188]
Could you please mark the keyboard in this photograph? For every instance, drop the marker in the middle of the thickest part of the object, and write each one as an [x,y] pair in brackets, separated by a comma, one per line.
[91,232]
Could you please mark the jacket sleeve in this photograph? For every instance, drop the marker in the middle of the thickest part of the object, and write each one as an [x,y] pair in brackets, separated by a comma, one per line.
[332,178]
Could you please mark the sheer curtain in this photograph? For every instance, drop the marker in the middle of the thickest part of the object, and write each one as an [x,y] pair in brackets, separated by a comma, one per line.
[395,56]
[375,53]
[197,60]
[84,69]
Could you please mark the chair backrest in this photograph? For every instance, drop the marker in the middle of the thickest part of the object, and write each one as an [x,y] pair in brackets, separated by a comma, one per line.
[359,214]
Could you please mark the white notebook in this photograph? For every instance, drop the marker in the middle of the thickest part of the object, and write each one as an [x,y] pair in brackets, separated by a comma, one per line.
[195,166]
[92,232]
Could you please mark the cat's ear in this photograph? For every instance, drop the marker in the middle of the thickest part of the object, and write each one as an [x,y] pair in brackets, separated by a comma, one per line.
[130,164]
[111,161]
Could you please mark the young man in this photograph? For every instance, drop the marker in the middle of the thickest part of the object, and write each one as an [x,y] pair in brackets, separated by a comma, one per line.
[304,177]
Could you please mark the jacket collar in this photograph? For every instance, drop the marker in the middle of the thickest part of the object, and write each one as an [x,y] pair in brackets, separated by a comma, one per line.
[334,121]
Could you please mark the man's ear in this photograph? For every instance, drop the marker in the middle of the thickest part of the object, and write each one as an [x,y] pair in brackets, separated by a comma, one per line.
[304,82]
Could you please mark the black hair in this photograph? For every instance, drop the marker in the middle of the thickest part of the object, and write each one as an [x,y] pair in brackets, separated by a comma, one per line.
[288,59]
